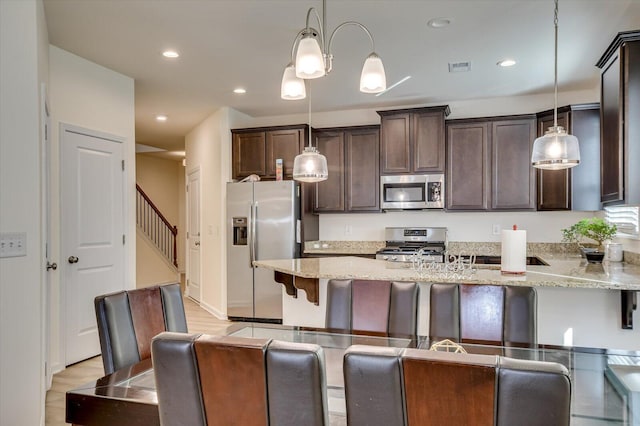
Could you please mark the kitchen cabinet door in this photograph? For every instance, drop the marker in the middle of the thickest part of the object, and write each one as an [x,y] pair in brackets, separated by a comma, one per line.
[554,186]
[330,193]
[413,140]
[248,154]
[468,166]
[255,150]
[395,140]
[620,127]
[611,153]
[513,186]
[428,142]
[361,171]
[285,144]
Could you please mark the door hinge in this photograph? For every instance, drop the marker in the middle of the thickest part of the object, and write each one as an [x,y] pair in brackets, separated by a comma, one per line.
[187,188]
[123,165]
[123,238]
[187,235]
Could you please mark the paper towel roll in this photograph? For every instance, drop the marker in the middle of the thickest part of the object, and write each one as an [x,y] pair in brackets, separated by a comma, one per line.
[514,252]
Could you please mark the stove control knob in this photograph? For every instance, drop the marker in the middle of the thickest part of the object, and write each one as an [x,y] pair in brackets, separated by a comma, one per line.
[385,257]
[394,257]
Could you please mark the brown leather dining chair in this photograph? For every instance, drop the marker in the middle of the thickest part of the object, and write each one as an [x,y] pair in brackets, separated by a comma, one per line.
[490,314]
[384,307]
[399,387]
[128,320]
[226,380]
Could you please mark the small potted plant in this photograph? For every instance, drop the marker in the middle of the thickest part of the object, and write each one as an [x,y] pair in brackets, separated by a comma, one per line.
[595,229]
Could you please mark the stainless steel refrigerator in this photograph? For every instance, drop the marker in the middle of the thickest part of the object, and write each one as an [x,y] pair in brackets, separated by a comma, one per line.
[263,222]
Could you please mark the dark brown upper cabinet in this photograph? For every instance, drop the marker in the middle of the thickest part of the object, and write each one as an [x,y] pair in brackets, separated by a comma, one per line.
[576,188]
[413,140]
[254,151]
[468,179]
[489,165]
[620,126]
[354,180]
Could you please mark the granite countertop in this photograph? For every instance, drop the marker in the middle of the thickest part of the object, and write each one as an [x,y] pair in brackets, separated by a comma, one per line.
[563,271]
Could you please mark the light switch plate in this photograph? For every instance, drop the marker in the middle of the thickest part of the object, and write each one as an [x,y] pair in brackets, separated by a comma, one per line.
[13,244]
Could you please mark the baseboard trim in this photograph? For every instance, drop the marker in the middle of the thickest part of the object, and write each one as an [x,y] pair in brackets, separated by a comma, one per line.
[213,311]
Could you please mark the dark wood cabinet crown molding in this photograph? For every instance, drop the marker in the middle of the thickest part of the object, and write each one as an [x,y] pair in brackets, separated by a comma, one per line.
[438,108]
[270,128]
[622,37]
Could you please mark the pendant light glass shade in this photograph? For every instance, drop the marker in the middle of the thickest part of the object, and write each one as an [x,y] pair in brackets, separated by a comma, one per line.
[555,150]
[292,87]
[309,59]
[373,78]
[310,166]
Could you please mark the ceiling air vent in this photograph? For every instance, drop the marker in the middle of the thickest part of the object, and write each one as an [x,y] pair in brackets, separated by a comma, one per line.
[459,66]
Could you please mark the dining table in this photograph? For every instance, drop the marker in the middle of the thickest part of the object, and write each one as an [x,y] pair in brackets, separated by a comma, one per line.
[605,383]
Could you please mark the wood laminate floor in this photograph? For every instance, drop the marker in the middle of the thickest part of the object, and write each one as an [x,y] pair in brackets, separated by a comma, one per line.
[198,321]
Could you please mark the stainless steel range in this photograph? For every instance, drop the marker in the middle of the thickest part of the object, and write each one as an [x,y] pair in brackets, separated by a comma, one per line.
[403,243]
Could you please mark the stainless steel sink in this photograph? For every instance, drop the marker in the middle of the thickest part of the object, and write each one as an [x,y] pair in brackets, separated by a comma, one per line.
[496,260]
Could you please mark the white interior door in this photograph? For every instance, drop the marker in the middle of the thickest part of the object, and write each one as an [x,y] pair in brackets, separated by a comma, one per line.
[92,231]
[50,264]
[193,226]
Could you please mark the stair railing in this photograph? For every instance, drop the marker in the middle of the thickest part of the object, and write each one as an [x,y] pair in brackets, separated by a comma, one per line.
[155,226]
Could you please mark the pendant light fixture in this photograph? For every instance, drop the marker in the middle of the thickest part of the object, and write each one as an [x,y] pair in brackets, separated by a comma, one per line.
[556,149]
[313,59]
[310,166]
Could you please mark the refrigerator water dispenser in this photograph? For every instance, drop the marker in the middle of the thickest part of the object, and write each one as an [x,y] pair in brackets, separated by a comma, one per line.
[239,231]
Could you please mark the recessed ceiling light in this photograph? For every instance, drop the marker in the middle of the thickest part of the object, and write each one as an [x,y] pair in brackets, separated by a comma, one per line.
[170,54]
[506,63]
[240,91]
[439,22]
[161,117]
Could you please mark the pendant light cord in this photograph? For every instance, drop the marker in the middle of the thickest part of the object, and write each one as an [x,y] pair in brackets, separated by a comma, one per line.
[309,97]
[555,66]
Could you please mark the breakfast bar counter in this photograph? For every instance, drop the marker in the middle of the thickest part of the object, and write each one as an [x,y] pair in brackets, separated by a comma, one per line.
[578,302]
[562,271]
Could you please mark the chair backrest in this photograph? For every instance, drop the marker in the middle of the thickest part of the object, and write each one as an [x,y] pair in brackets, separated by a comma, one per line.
[128,320]
[437,388]
[503,315]
[221,380]
[372,306]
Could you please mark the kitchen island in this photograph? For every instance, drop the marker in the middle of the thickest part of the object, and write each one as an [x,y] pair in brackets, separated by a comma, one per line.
[579,303]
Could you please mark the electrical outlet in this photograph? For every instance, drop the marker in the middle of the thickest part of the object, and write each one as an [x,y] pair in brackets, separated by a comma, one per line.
[347,230]
[13,244]
[496,230]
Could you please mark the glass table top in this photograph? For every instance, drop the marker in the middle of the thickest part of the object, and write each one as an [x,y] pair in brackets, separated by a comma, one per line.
[605,383]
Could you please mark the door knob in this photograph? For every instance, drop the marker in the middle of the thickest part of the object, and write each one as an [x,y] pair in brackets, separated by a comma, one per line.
[197,243]
[73,259]
[53,266]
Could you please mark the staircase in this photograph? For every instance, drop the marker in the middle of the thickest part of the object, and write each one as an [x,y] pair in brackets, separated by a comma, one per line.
[156,227]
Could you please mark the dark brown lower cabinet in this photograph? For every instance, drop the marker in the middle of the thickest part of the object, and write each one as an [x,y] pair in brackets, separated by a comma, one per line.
[354,178]
[577,188]
[488,163]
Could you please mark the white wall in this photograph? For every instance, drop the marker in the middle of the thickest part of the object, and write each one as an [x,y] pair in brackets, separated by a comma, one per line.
[593,316]
[462,226]
[459,109]
[208,148]
[85,94]
[23,67]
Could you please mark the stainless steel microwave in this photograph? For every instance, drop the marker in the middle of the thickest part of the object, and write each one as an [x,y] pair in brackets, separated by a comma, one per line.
[412,192]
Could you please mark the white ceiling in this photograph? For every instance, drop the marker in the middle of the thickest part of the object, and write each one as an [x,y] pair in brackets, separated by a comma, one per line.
[225,44]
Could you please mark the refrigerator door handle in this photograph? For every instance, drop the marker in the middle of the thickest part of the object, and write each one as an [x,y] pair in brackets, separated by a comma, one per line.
[250,234]
[254,232]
